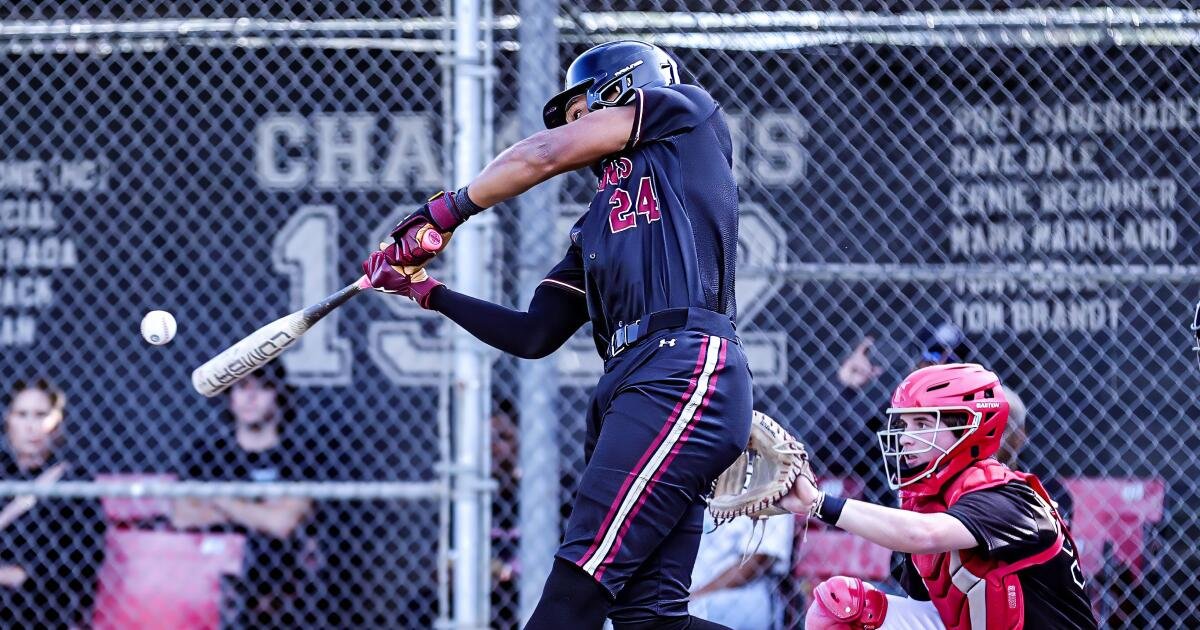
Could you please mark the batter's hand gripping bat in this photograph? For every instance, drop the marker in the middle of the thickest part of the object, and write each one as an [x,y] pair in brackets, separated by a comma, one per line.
[263,345]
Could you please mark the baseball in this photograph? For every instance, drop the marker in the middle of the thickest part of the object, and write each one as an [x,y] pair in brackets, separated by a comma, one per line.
[158,327]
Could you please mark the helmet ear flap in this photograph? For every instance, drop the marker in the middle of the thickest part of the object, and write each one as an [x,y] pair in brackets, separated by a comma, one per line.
[671,69]
[674,70]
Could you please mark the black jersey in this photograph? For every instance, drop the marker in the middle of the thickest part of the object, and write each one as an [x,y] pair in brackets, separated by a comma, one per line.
[273,568]
[661,231]
[1011,522]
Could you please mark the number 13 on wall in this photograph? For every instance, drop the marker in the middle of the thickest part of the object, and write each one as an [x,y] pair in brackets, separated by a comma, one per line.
[306,251]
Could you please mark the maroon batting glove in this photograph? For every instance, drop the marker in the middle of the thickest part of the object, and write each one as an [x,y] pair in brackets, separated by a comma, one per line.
[415,243]
[421,291]
[387,279]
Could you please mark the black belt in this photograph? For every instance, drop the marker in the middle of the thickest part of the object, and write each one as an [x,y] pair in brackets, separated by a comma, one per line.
[700,319]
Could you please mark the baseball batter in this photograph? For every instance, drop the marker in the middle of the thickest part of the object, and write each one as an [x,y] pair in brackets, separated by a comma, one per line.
[984,547]
[651,266]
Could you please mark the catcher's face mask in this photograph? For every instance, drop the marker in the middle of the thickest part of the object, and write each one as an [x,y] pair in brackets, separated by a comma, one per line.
[918,440]
[1196,333]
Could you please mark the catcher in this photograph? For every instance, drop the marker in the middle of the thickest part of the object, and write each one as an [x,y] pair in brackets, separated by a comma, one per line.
[983,545]
[651,265]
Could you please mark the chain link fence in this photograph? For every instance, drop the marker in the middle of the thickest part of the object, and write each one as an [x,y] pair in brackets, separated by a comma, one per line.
[229,163]
[1007,182]
[1010,183]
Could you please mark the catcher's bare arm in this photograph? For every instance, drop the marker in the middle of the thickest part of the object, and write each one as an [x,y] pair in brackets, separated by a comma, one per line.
[781,480]
[899,530]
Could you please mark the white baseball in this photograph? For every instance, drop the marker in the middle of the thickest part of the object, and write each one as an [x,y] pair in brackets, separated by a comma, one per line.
[158,327]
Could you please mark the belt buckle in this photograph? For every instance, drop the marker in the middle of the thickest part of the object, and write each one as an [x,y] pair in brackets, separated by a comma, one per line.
[622,338]
[619,340]
[634,328]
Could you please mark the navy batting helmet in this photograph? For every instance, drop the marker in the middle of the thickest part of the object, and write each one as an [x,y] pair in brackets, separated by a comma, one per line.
[608,74]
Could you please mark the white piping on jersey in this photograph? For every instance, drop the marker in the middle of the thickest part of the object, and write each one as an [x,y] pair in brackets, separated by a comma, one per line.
[564,285]
[637,123]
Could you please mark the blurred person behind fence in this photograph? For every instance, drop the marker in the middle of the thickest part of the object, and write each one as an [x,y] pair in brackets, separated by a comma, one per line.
[50,548]
[256,446]
[1012,443]
[506,537]
[1172,574]
[738,570]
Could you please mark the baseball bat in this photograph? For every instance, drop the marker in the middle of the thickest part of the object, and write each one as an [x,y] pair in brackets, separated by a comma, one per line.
[263,345]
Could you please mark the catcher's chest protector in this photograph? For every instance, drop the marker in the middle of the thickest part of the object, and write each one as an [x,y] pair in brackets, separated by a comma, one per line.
[969,590]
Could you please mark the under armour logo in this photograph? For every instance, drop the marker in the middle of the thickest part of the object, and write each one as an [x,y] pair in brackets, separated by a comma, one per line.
[666,342]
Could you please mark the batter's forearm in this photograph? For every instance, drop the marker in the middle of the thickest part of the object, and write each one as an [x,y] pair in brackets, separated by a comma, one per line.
[551,152]
[519,168]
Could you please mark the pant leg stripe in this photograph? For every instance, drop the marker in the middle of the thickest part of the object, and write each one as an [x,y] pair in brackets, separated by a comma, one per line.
[712,387]
[662,435]
[633,496]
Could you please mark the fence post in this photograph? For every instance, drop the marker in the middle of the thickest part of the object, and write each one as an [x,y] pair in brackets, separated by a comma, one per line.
[538,72]
[471,361]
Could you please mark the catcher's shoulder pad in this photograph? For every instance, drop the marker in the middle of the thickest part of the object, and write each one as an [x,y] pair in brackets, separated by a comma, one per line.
[762,475]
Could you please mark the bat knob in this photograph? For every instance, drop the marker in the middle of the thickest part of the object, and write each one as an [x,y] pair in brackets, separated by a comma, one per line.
[430,239]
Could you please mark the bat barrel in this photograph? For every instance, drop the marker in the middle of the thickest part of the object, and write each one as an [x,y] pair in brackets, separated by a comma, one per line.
[263,345]
[247,355]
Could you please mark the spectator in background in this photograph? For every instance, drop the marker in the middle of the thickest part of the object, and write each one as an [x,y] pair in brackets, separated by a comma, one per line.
[50,548]
[738,569]
[844,443]
[1119,585]
[255,446]
[506,540]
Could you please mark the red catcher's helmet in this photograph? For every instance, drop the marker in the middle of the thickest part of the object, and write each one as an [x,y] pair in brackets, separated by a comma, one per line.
[954,388]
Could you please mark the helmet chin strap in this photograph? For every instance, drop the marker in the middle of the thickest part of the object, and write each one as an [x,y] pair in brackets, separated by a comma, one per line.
[907,472]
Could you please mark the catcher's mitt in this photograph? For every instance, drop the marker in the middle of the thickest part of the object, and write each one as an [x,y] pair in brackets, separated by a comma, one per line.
[762,475]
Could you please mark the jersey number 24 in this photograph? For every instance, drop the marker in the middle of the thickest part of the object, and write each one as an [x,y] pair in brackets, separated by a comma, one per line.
[624,210]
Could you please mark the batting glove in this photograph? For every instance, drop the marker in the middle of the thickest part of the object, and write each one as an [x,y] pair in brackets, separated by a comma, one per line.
[443,212]
[385,278]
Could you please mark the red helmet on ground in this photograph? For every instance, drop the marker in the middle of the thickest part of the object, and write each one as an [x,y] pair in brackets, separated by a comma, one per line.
[953,390]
